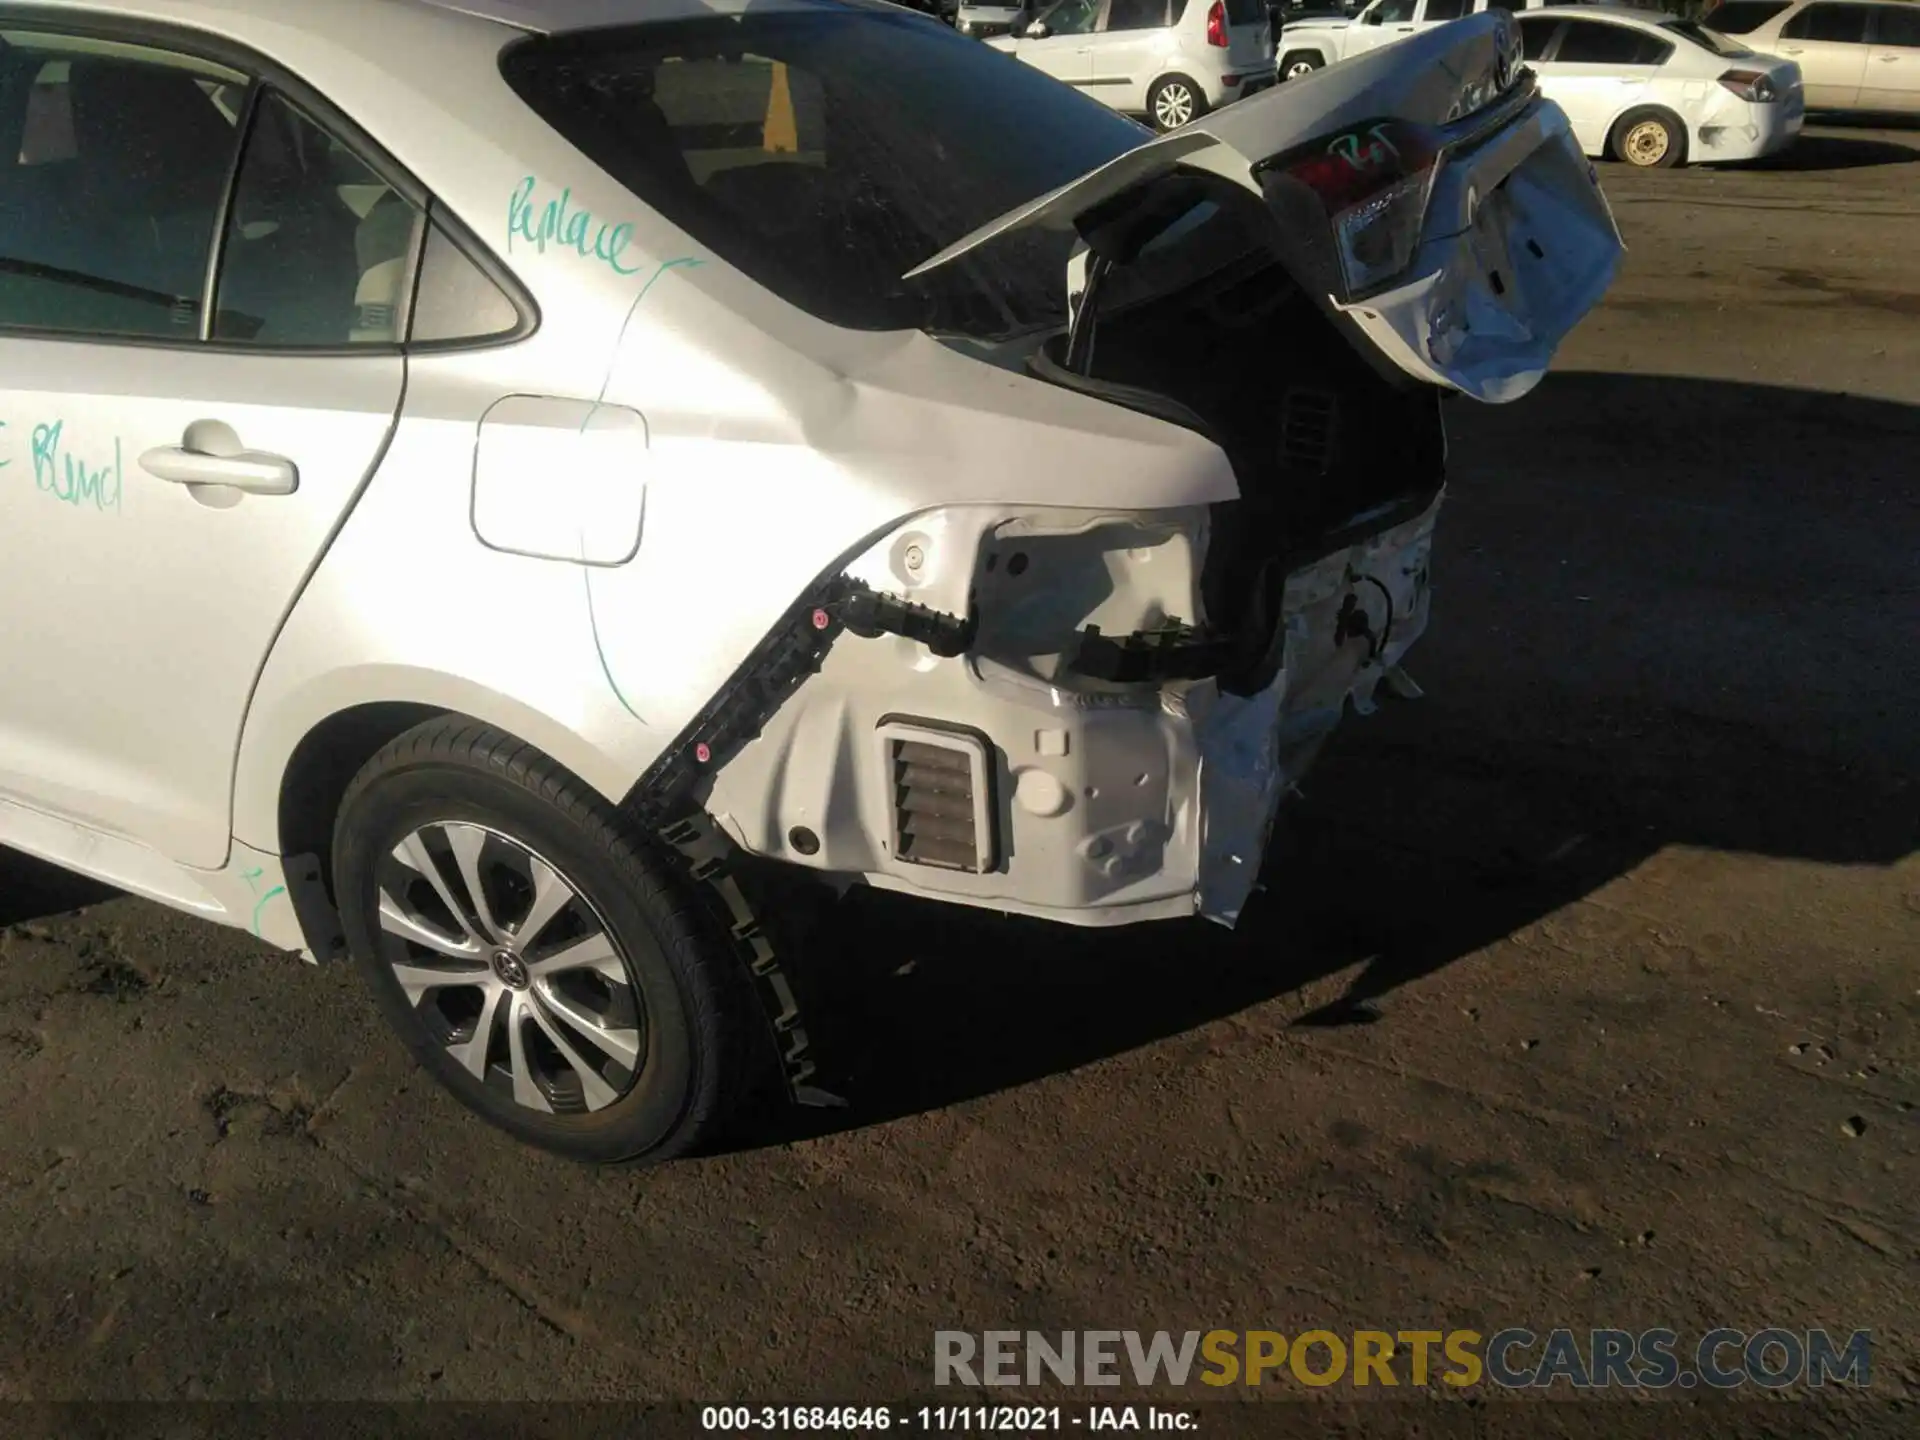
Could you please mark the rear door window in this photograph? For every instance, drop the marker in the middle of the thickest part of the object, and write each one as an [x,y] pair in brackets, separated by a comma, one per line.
[1835,24]
[1742,17]
[1136,15]
[825,153]
[1899,25]
[317,247]
[1590,42]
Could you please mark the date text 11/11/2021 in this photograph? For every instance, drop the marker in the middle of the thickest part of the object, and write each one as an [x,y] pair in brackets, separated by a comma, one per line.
[952,1419]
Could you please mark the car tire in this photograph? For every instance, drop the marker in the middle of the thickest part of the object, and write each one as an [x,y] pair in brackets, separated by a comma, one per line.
[1649,140]
[1296,63]
[1174,101]
[624,1028]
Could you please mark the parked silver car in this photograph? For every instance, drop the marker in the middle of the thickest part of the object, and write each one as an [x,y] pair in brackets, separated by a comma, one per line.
[479,517]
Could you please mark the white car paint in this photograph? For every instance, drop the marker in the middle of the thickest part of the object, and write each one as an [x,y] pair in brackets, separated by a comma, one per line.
[1311,44]
[1644,63]
[1855,55]
[1128,53]
[431,526]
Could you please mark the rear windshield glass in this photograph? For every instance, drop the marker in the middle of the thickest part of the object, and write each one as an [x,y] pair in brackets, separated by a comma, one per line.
[1705,38]
[1737,17]
[827,151]
[1248,12]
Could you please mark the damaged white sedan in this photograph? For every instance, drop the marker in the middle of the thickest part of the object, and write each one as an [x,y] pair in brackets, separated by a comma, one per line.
[469,516]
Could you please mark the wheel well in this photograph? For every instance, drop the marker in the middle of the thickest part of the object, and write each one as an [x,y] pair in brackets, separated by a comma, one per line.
[1641,112]
[324,764]
[1303,50]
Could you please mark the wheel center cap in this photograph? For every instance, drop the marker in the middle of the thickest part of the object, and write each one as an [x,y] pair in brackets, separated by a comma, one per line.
[511,970]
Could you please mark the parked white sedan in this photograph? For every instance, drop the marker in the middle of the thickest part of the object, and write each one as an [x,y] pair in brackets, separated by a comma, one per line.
[1861,57]
[492,517]
[1655,91]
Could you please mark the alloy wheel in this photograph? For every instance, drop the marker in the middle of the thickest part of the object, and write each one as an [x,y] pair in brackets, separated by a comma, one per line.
[1173,107]
[507,965]
[1299,68]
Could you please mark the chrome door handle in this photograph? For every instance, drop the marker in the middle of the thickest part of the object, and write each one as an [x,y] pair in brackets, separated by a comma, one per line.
[210,453]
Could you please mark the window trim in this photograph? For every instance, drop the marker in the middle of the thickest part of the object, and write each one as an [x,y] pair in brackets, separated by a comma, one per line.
[265,74]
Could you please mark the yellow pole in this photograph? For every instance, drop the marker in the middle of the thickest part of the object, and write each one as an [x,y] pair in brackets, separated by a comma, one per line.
[783,129]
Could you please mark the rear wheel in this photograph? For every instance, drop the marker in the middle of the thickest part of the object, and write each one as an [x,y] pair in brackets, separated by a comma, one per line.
[1649,140]
[1296,63]
[548,966]
[1175,101]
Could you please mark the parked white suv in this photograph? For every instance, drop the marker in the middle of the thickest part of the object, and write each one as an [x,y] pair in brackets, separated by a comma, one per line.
[1170,60]
[1314,44]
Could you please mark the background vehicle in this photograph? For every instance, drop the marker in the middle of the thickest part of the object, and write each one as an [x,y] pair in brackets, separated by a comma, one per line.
[1311,44]
[983,22]
[1170,60]
[1854,55]
[530,504]
[1738,17]
[1657,92]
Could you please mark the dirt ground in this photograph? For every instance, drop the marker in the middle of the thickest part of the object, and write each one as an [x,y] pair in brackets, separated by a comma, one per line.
[1586,991]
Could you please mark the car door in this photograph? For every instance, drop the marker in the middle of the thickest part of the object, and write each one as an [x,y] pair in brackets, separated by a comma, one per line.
[1829,41]
[1891,80]
[1065,51]
[200,291]
[1129,51]
[1595,71]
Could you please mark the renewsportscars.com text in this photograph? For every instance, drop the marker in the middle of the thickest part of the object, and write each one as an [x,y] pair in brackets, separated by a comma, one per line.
[1516,1359]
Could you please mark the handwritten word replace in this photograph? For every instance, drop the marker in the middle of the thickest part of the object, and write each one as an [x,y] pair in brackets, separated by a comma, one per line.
[556,223]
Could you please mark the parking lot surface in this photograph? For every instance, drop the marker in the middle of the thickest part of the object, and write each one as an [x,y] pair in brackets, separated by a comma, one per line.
[1584,990]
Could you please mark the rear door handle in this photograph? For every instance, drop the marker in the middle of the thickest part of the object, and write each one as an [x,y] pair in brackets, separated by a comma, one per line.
[1792,50]
[210,453]
[1887,59]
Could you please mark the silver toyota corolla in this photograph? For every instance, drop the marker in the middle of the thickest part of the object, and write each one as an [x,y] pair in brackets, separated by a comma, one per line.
[481,481]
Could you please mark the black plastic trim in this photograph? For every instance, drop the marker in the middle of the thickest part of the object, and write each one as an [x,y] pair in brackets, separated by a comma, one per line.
[792,651]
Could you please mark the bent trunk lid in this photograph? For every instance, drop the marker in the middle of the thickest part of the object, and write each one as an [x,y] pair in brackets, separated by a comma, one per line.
[1514,242]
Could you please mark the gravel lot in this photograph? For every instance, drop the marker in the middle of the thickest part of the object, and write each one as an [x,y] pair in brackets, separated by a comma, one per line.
[1586,991]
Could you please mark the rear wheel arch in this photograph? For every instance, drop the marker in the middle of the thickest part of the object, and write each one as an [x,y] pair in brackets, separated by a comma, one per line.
[322,766]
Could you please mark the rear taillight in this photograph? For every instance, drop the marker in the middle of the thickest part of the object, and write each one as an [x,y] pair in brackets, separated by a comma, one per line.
[1217,25]
[1372,182]
[1754,86]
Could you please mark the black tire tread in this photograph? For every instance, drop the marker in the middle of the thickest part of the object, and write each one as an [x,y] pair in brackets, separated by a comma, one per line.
[687,931]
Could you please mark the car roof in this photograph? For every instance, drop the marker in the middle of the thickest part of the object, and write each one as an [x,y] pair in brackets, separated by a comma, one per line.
[1606,12]
[547,17]
[351,21]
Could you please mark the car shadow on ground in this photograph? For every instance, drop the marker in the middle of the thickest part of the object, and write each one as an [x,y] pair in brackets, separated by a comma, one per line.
[1839,152]
[1645,635]
[32,890]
